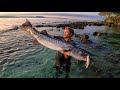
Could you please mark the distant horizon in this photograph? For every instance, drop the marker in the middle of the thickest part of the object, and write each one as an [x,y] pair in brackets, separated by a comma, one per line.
[45,13]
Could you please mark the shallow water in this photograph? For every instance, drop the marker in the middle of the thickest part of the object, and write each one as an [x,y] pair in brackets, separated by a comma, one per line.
[20,58]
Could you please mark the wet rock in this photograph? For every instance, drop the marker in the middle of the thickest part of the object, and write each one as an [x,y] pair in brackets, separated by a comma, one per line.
[51,29]
[76,35]
[44,26]
[61,25]
[84,38]
[100,24]
[99,34]
[95,33]
[49,25]
[75,25]
[43,23]
[12,51]
[1,52]
[58,29]
[88,42]
[91,23]
[111,24]
[72,25]
[39,26]
[15,27]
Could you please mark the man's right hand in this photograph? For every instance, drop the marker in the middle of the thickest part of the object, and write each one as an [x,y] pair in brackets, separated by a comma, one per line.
[66,56]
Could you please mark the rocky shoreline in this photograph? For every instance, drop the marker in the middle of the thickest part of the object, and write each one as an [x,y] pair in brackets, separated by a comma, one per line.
[75,25]
[80,25]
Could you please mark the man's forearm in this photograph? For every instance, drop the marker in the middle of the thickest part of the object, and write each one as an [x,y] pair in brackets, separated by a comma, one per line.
[66,56]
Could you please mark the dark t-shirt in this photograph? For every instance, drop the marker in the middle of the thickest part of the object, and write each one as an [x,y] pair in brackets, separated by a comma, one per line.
[60,56]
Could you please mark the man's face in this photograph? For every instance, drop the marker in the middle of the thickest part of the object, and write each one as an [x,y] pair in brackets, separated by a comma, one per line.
[67,33]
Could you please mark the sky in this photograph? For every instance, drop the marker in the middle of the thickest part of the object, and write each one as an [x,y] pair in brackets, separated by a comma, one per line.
[33,13]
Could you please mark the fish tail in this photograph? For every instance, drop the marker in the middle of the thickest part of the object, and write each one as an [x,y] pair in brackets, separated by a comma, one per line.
[87,61]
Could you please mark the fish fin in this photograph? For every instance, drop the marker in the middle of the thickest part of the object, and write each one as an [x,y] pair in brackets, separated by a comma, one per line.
[27,24]
[35,41]
[44,32]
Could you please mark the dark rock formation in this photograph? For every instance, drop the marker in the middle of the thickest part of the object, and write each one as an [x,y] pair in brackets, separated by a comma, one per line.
[75,25]
[15,28]
[99,34]
[84,38]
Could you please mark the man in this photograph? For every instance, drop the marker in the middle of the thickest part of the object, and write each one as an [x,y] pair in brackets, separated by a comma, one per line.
[63,60]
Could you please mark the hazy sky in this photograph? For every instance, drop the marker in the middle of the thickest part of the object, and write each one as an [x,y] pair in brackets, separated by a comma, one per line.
[32,13]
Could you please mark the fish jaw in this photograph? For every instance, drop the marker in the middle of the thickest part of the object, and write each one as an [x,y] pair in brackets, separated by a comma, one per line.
[81,56]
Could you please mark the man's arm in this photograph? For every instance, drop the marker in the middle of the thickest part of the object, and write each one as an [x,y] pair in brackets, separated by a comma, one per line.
[66,56]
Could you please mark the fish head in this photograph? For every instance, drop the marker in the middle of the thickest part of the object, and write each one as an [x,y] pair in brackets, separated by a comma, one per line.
[79,54]
[80,57]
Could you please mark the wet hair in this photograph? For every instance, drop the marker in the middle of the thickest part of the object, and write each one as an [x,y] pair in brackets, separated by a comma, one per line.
[70,29]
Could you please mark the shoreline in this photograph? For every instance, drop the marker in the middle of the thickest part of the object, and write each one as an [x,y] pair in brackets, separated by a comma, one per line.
[78,25]
[74,25]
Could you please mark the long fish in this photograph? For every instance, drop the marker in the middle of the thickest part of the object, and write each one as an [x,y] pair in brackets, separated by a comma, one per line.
[56,44]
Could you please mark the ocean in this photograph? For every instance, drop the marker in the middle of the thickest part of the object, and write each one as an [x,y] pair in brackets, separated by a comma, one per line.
[20,58]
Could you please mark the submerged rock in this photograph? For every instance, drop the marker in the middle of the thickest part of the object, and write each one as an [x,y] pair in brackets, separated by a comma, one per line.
[84,38]
[58,29]
[51,29]
[43,23]
[72,25]
[39,25]
[15,27]
[112,24]
[44,26]
[99,34]
[75,25]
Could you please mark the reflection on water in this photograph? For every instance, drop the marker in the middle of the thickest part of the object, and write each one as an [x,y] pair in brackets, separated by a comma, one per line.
[8,23]
[19,57]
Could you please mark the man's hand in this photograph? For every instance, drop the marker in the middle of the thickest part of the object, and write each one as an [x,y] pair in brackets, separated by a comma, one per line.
[65,55]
